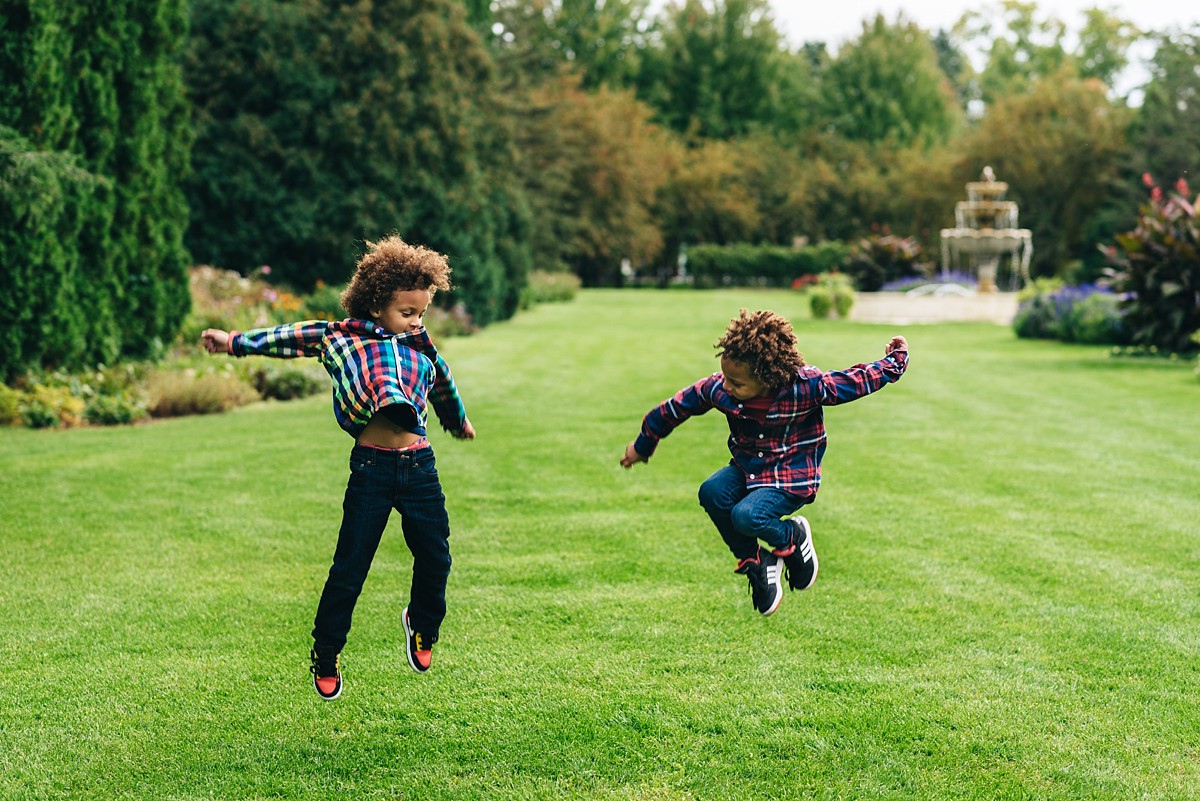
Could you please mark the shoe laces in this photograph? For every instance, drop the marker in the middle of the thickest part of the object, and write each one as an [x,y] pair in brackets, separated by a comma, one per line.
[756,573]
[323,666]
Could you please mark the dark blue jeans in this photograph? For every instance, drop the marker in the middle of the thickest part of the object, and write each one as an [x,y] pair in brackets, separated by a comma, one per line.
[380,481]
[745,516]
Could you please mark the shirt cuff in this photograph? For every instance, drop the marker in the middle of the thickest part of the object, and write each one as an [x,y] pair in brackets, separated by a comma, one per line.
[645,445]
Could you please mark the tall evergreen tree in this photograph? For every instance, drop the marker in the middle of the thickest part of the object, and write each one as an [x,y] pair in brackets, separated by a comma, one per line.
[92,92]
[322,124]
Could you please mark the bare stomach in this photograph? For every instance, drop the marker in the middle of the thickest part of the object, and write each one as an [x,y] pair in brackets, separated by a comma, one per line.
[382,433]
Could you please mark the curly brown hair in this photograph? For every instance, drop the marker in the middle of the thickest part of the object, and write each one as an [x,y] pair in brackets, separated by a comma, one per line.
[389,266]
[766,343]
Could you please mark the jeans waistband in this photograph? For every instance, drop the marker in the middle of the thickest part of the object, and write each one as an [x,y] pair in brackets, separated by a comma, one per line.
[418,448]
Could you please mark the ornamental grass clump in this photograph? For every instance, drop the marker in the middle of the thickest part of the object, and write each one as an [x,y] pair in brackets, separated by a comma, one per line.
[174,393]
[1157,267]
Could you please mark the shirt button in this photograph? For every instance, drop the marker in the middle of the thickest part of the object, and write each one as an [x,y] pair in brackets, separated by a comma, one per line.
[760,436]
[760,454]
[751,475]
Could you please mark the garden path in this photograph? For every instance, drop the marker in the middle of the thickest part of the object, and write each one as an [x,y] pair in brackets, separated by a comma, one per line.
[901,308]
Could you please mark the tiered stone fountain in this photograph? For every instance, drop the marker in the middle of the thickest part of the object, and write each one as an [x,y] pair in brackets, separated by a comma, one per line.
[985,231]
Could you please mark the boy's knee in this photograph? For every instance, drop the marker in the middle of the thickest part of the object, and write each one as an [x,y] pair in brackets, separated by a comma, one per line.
[744,519]
[712,495]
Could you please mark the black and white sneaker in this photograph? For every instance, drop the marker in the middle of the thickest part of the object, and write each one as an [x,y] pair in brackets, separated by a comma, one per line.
[799,556]
[766,585]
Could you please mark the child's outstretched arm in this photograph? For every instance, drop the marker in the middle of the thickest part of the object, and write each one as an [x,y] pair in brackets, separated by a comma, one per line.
[664,418]
[843,386]
[287,341]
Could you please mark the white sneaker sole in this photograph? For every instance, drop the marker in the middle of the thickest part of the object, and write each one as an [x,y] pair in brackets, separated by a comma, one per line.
[408,633]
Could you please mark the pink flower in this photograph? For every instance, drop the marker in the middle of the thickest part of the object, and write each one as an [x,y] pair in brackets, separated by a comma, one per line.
[1181,187]
[265,269]
[1147,179]
[1156,194]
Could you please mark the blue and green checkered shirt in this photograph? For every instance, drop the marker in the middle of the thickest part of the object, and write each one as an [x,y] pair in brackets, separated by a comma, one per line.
[371,368]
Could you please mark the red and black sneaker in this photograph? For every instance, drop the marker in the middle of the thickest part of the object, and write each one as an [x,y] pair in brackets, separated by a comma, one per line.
[799,556]
[326,672]
[763,572]
[420,646]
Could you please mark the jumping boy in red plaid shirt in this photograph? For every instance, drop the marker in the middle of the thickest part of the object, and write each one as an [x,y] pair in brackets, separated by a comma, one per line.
[774,404]
[384,367]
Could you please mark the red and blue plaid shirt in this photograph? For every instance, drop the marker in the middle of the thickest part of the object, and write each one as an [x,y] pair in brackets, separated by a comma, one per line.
[371,368]
[783,448]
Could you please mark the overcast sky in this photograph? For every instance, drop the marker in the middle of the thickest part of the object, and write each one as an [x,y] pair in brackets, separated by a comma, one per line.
[834,21]
[837,21]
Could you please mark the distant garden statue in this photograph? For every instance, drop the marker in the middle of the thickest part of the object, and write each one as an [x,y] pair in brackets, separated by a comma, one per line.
[986,230]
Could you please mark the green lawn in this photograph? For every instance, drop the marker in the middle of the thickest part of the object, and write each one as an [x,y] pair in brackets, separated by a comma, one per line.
[1007,606]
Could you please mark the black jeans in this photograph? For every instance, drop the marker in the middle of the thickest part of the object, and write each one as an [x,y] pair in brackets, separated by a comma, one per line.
[380,481]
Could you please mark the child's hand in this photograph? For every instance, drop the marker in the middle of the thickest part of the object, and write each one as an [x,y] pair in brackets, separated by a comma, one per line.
[897,343]
[468,431]
[631,457]
[215,340]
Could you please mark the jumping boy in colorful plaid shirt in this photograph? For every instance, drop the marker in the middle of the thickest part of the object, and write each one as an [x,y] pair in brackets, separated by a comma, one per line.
[384,366]
[774,404]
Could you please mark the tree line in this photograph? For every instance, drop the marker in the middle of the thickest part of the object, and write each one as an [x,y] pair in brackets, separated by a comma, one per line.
[580,135]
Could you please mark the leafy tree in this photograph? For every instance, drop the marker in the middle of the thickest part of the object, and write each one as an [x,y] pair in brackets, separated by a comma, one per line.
[887,86]
[592,164]
[1057,148]
[1104,44]
[705,199]
[1164,140]
[1019,48]
[599,39]
[1166,130]
[714,72]
[920,188]
[1022,48]
[955,65]
[772,174]
[479,13]
[836,189]
[796,95]
[321,124]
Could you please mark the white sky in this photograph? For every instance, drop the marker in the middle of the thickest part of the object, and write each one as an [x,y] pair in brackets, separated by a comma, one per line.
[835,21]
